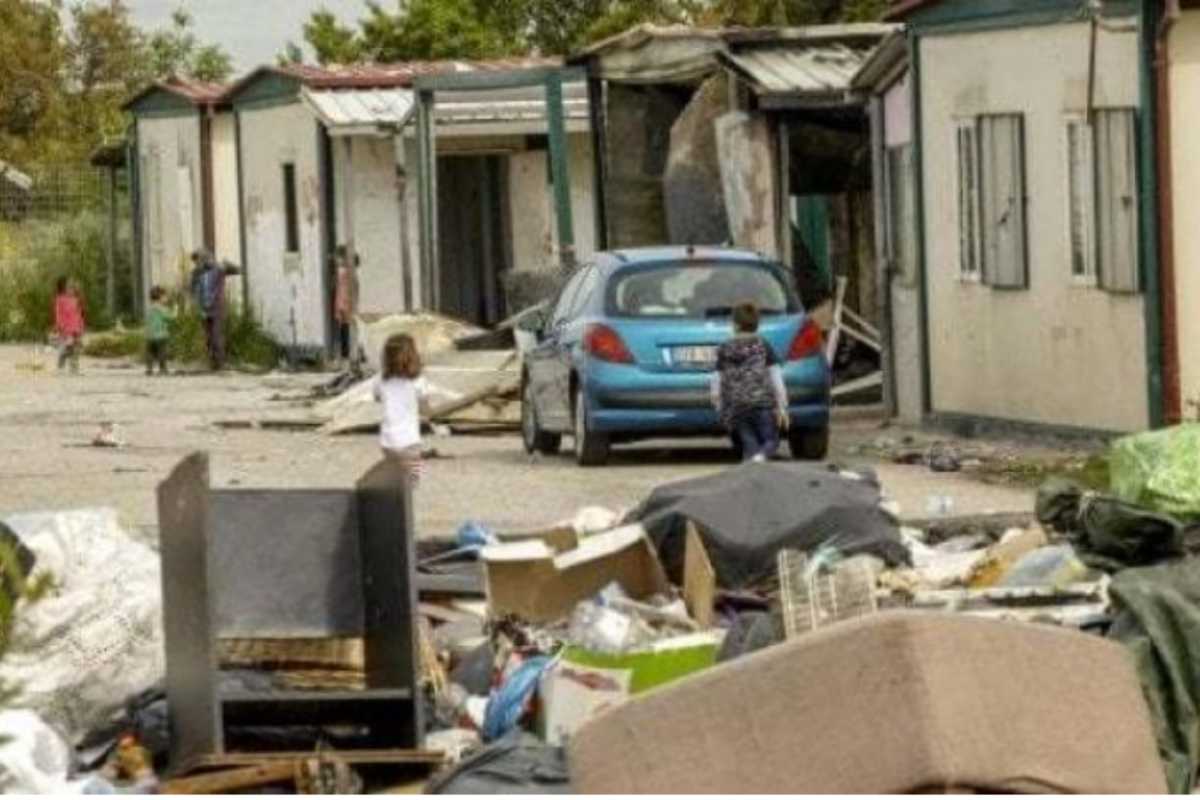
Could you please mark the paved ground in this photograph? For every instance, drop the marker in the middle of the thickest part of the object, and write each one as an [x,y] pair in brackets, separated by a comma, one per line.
[47,422]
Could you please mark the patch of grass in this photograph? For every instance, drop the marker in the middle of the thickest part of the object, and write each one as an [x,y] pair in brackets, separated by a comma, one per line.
[1092,472]
[43,253]
[246,343]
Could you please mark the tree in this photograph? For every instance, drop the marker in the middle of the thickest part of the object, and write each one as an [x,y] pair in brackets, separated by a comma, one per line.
[176,51]
[333,42]
[33,62]
[106,65]
[427,30]
[292,54]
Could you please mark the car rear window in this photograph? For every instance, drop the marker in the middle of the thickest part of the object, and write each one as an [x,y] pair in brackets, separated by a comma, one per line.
[697,290]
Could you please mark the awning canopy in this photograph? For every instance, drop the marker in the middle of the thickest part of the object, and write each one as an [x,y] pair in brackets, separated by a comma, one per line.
[384,112]
[358,112]
[780,74]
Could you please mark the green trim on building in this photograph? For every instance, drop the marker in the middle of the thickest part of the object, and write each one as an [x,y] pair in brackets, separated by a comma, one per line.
[267,90]
[961,16]
[918,154]
[159,102]
[1148,211]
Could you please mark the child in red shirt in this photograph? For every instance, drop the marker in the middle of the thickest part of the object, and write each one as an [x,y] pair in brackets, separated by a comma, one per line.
[68,322]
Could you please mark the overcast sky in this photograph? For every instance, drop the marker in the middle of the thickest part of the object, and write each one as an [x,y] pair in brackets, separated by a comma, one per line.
[252,31]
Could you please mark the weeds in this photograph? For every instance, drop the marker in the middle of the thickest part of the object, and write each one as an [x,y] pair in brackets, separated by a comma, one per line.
[246,343]
[45,251]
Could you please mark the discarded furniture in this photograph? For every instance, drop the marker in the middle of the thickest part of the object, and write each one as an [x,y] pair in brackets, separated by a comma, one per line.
[275,564]
[887,704]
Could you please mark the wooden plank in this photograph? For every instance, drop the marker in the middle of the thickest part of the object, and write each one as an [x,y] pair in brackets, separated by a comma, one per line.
[231,760]
[865,382]
[466,401]
[233,780]
[857,320]
[699,579]
[839,302]
[440,613]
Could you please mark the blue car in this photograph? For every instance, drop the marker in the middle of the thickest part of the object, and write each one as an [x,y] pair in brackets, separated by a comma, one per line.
[628,349]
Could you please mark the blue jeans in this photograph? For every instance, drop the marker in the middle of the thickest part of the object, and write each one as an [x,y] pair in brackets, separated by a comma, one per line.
[758,432]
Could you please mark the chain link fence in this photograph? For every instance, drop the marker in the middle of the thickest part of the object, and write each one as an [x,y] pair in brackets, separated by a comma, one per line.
[63,221]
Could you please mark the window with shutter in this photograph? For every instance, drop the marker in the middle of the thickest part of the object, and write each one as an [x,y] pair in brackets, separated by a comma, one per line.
[1002,207]
[1081,207]
[1116,198]
[968,201]
[902,239]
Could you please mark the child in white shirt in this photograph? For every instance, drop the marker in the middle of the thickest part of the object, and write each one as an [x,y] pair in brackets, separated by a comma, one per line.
[403,393]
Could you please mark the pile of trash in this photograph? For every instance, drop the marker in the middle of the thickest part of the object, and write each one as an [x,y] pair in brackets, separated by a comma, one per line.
[595,654]
[577,627]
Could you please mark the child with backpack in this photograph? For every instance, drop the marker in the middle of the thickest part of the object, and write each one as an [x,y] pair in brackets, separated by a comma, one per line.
[748,390]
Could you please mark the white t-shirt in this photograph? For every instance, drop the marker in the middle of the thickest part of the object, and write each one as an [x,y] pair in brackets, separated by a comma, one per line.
[401,400]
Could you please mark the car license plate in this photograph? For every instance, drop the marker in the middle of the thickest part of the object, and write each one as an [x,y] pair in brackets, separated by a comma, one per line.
[696,356]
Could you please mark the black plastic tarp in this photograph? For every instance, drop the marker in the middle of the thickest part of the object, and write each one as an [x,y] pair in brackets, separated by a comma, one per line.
[518,763]
[1158,619]
[746,515]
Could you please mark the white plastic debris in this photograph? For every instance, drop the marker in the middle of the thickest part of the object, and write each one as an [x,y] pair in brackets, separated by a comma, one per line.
[96,639]
[33,758]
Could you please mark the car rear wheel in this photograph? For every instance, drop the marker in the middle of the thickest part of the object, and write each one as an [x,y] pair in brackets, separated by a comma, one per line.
[809,444]
[535,439]
[591,448]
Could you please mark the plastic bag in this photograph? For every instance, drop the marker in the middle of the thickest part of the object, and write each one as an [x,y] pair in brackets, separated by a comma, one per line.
[1159,470]
[508,704]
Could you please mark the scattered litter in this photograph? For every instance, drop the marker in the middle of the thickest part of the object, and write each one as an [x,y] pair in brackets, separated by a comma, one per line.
[1159,470]
[1158,620]
[34,759]
[531,581]
[813,597]
[746,515]
[520,763]
[513,699]
[1053,566]
[109,436]
[78,652]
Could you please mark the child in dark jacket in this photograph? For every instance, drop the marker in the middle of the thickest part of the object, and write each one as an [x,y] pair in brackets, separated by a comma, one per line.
[747,388]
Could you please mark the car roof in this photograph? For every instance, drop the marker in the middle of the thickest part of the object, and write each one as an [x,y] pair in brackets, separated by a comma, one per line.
[632,256]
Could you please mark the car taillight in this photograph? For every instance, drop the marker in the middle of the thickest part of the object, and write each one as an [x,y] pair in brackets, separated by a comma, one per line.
[604,343]
[808,342]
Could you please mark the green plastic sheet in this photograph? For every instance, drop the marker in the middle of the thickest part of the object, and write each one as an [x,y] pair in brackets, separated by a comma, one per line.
[1159,470]
[1158,619]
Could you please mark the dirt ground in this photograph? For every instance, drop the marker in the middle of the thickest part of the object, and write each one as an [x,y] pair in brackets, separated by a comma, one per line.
[47,422]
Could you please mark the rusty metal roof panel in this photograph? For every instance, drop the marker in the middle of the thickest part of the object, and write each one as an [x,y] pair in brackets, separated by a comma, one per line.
[365,110]
[799,70]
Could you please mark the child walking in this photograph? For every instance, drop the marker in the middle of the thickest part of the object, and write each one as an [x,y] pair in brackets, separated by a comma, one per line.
[158,331]
[403,392]
[747,388]
[68,323]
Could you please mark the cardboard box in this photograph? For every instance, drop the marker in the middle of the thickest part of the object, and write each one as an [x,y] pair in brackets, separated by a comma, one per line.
[538,584]
[892,703]
[582,684]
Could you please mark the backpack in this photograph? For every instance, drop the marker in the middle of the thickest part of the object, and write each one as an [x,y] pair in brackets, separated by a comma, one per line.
[206,288]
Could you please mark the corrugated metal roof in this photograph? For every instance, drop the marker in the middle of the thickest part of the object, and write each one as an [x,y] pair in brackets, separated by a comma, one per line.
[799,70]
[363,76]
[367,110]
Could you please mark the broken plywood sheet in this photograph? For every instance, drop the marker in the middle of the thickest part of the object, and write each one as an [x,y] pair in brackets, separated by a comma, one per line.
[433,333]
[532,581]
[477,384]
